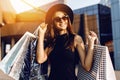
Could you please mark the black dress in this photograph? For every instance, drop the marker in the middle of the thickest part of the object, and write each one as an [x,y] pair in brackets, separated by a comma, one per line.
[62,61]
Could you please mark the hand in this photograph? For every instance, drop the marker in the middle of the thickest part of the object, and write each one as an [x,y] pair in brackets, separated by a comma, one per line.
[42,29]
[92,37]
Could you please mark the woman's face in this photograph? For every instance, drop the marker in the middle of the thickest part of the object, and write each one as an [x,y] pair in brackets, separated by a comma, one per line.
[60,20]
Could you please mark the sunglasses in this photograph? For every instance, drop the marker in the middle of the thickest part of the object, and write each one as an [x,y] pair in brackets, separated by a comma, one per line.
[58,19]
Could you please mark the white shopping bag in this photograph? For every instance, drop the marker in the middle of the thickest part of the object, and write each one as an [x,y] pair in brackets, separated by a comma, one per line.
[106,65]
[9,60]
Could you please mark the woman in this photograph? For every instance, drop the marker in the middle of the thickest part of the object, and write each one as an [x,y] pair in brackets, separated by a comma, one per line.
[62,44]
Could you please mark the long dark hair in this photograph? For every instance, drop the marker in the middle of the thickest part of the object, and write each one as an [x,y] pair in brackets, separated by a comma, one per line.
[52,33]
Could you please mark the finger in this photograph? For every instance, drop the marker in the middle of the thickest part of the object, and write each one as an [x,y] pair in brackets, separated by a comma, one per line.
[92,34]
[89,37]
[39,27]
[43,25]
[45,28]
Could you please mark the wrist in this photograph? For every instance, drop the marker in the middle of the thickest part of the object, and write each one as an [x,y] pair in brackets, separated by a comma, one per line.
[90,46]
[41,36]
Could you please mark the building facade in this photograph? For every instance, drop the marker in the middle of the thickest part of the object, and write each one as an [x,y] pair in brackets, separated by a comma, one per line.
[115,11]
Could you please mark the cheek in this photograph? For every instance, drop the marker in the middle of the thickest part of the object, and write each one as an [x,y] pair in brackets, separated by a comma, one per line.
[56,24]
[66,22]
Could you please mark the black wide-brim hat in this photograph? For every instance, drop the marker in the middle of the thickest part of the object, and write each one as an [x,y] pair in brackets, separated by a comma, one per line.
[58,7]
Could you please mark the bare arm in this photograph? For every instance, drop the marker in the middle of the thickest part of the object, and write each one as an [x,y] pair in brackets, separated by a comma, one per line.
[85,56]
[41,53]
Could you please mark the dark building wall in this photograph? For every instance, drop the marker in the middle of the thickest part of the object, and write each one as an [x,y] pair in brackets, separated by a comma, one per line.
[98,20]
[105,24]
[83,23]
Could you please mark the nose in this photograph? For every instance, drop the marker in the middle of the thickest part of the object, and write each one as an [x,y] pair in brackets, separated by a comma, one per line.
[62,20]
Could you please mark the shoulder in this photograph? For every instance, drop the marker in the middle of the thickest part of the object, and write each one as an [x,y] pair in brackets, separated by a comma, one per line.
[77,39]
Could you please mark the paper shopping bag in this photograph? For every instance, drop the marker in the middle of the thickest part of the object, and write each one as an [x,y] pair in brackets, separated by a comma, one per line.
[101,68]
[16,68]
[32,70]
[7,65]
[4,76]
[105,67]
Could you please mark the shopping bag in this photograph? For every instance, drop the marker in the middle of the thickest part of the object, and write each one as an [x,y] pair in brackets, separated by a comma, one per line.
[36,68]
[102,67]
[16,68]
[108,66]
[4,76]
[7,65]
[32,70]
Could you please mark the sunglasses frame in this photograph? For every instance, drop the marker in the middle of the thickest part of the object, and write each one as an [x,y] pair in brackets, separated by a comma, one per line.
[58,19]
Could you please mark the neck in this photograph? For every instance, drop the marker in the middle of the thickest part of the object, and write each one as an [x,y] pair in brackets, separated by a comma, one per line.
[63,32]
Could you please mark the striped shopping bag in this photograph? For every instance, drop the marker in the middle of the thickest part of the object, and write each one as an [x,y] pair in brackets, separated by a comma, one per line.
[102,68]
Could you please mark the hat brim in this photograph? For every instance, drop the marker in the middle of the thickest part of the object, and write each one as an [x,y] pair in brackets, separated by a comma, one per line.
[58,7]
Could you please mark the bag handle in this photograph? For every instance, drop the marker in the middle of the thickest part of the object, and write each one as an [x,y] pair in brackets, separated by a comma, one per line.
[36,32]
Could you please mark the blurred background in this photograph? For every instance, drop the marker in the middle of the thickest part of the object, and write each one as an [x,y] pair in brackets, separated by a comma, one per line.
[101,16]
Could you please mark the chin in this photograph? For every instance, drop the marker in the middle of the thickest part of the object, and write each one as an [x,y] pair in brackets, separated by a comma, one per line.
[63,27]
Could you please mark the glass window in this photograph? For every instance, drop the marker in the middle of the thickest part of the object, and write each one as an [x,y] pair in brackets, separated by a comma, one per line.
[95,11]
[115,12]
[118,46]
[95,7]
[117,29]
[90,12]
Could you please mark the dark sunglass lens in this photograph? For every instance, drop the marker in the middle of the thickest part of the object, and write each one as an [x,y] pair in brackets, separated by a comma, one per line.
[64,17]
[58,19]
